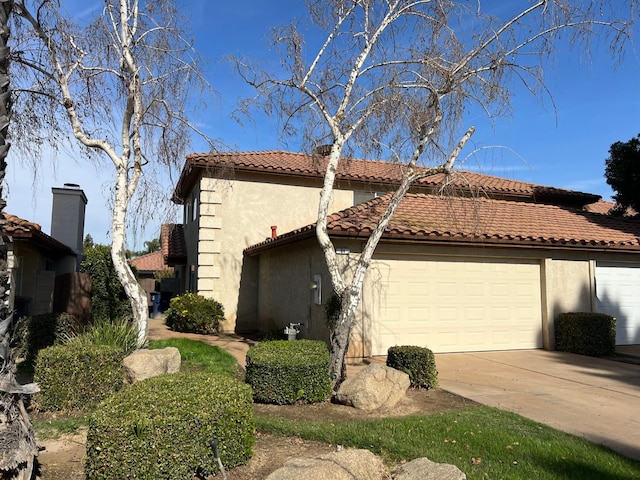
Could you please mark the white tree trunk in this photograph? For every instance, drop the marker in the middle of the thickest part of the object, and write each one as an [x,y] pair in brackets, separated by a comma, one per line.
[137,295]
[340,335]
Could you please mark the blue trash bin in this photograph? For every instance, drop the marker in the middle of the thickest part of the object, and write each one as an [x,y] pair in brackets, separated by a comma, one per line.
[155,300]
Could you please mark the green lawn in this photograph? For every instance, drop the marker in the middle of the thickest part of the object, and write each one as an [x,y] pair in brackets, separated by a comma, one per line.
[485,443]
[198,355]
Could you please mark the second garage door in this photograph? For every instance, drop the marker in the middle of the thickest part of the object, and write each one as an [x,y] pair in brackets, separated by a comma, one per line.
[618,293]
[456,305]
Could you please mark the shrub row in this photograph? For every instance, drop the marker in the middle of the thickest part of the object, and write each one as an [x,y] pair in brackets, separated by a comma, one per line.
[417,362]
[42,331]
[77,376]
[586,333]
[162,428]
[285,372]
[194,314]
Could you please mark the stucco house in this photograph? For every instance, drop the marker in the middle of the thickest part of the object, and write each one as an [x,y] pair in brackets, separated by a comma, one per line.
[471,262]
[43,267]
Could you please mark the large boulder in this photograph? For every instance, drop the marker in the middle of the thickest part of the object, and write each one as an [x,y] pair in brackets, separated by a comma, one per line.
[374,387]
[143,364]
[350,464]
[425,469]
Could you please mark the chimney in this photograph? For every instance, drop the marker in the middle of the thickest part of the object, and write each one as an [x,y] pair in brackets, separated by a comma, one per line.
[274,231]
[323,150]
[67,216]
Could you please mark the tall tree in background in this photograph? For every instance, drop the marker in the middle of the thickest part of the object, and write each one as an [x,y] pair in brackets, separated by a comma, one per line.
[121,85]
[18,448]
[623,175]
[394,79]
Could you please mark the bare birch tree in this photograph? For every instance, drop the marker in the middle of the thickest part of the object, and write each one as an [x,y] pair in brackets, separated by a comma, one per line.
[121,86]
[394,79]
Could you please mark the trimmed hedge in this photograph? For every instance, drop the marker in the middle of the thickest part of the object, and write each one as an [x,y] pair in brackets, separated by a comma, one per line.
[586,333]
[161,428]
[417,362]
[77,376]
[193,313]
[285,372]
[42,331]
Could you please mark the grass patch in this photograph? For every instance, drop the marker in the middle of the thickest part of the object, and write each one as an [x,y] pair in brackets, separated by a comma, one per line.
[485,443]
[54,428]
[199,356]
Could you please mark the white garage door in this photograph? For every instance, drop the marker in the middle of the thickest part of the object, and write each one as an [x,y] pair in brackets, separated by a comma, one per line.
[618,293]
[453,305]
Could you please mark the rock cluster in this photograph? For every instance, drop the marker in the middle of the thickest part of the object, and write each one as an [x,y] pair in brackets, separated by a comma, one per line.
[353,464]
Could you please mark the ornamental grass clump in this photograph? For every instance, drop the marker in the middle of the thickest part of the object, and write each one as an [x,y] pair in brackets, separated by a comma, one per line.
[285,372]
[121,333]
[194,313]
[162,427]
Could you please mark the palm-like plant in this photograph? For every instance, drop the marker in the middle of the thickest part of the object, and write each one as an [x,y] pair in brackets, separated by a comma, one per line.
[18,448]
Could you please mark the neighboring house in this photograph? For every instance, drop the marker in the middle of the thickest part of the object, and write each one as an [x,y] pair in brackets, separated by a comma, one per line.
[147,267]
[481,263]
[155,276]
[44,267]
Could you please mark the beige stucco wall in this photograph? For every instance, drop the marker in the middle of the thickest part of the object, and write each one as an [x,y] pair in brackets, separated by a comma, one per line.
[566,284]
[285,293]
[31,279]
[237,213]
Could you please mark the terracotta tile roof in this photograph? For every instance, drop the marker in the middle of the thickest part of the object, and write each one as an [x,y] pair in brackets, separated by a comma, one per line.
[366,171]
[605,207]
[150,262]
[480,221]
[601,206]
[20,229]
[16,225]
[173,246]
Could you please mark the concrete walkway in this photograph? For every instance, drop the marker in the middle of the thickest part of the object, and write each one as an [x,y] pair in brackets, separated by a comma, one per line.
[593,398]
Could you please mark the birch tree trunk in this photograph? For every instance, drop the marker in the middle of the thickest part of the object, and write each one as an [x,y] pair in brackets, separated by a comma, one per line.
[120,86]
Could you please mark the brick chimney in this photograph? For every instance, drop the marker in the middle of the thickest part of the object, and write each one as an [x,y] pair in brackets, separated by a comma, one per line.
[67,216]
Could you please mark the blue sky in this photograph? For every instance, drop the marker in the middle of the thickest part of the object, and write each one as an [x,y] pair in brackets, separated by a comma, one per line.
[597,103]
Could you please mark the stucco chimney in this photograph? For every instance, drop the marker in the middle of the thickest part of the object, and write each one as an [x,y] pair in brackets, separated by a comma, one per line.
[67,215]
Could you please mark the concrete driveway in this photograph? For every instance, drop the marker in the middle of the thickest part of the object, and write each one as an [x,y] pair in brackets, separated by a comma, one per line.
[596,399]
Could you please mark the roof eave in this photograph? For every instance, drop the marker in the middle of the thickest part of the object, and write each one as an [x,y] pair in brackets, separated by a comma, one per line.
[552,245]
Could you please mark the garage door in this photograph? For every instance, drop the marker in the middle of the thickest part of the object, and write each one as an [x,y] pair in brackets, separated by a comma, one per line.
[453,305]
[618,293]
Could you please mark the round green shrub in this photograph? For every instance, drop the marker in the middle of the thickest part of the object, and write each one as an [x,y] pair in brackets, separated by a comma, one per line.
[77,376]
[42,331]
[193,313]
[417,362]
[586,333]
[161,428]
[285,372]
